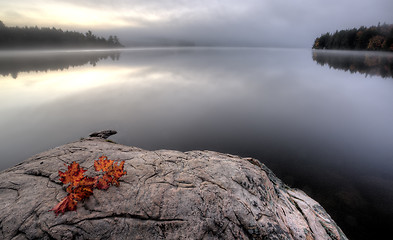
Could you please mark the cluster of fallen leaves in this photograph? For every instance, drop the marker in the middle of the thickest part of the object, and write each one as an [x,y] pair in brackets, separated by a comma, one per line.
[81,187]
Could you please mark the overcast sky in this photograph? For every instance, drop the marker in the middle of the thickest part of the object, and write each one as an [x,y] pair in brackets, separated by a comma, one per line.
[287,23]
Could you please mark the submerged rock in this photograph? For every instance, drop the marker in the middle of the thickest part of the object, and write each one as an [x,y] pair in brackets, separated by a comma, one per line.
[165,195]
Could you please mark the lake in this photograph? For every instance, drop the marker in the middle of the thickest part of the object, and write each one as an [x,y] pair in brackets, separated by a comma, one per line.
[321,120]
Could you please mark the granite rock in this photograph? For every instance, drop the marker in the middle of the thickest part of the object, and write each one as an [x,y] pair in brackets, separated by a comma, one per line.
[103,134]
[165,195]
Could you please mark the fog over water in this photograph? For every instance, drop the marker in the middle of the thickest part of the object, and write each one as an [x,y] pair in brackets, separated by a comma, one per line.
[321,120]
[318,125]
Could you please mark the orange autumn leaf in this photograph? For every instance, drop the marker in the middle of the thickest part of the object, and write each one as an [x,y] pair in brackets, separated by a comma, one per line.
[103,163]
[73,175]
[115,172]
[67,204]
[70,201]
[112,174]
[103,182]
[82,187]
[88,182]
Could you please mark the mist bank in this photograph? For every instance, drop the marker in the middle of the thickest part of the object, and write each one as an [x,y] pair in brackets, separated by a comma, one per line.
[50,38]
[209,35]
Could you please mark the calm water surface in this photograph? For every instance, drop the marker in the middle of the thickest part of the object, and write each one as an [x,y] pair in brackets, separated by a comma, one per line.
[322,121]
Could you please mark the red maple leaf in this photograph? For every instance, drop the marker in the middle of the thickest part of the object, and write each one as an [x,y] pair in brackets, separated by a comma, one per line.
[115,172]
[103,182]
[103,163]
[82,191]
[112,174]
[67,204]
[73,175]
[82,187]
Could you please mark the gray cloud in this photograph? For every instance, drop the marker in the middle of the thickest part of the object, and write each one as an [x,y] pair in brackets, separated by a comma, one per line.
[258,23]
[294,23]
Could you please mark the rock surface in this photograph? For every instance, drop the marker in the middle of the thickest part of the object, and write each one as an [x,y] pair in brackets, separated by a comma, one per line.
[165,195]
[103,134]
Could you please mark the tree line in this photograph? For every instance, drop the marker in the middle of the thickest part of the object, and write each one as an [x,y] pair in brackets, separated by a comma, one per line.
[34,37]
[376,38]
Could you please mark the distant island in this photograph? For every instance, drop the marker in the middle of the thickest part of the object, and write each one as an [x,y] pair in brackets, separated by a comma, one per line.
[375,38]
[34,37]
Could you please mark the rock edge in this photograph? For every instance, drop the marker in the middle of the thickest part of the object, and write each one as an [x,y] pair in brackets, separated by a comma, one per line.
[165,195]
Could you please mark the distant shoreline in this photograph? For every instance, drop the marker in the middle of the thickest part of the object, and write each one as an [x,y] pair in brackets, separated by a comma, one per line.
[374,38]
[50,38]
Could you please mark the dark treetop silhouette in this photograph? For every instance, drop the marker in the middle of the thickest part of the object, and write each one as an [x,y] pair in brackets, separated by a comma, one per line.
[378,38]
[34,37]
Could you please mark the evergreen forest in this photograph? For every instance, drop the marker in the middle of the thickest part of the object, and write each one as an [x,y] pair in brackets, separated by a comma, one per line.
[375,38]
[34,37]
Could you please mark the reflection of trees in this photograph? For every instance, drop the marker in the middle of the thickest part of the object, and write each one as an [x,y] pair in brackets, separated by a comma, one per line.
[13,64]
[369,63]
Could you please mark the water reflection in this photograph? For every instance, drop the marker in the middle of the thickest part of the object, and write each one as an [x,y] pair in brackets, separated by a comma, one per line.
[368,63]
[14,62]
[324,131]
